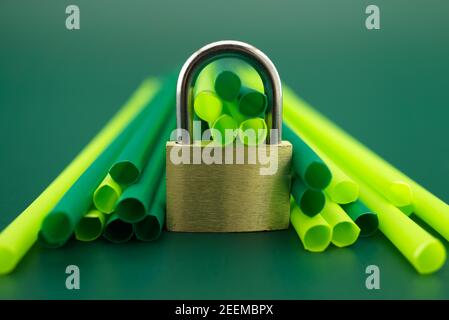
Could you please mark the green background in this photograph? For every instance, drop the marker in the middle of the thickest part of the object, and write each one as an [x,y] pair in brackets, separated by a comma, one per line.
[388,87]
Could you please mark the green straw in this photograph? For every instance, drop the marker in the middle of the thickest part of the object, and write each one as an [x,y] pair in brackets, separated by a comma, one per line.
[252,103]
[306,163]
[426,253]
[135,202]
[18,237]
[367,220]
[106,196]
[131,161]
[208,106]
[314,232]
[344,231]
[117,230]
[253,131]
[150,228]
[60,223]
[227,84]
[309,200]
[90,226]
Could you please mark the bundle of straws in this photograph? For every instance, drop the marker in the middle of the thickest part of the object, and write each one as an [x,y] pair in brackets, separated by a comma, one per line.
[340,191]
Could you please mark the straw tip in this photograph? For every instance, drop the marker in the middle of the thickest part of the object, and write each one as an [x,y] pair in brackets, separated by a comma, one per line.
[312,202]
[317,238]
[208,106]
[105,198]
[345,192]
[130,210]
[56,228]
[345,234]
[227,85]
[368,223]
[124,172]
[149,229]
[318,175]
[430,257]
[400,194]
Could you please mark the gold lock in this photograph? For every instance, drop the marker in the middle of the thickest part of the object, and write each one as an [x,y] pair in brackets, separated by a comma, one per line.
[211,188]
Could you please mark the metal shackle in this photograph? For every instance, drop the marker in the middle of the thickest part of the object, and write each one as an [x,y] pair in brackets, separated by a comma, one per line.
[220,49]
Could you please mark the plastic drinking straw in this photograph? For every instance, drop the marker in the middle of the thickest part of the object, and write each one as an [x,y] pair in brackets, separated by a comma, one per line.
[107,194]
[350,154]
[344,150]
[132,159]
[367,220]
[117,230]
[344,231]
[227,83]
[251,103]
[253,131]
[60,223]
[310,201]
[314,232]
[150,228]
[18,237]
[306,163]
[207,105]
[221,130]
[342,189]
[135,202]
[426,253]
[90,226]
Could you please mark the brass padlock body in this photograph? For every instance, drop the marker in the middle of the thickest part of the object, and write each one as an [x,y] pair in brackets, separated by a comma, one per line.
[227,197]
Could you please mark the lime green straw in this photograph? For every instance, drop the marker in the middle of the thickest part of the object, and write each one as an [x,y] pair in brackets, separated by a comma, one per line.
[18,237]
[135,202]
[207,105]
[90,226]
[131,161]
[344,150]
[117,230]
[107,194]
[309,200]
[352,156]
[150,228]
[367,220]
[342,189]
[227,84]
[253,132]
[314,232]
[60,223]
[306,163]
[222,130]
[344,231]
[426,253]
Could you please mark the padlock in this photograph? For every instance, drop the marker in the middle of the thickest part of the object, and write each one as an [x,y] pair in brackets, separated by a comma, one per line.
[227,196]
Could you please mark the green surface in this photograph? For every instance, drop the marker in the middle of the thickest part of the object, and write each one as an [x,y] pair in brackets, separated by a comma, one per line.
[395,77]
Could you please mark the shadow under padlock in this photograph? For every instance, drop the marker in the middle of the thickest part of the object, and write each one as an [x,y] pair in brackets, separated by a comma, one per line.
[228,196]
